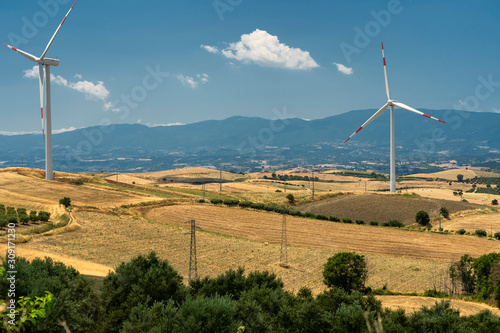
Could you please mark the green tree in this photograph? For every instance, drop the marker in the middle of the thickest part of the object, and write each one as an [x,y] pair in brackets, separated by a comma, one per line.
[494,202]
[422,218]
[290,198]
[65,201]
[444,212]
[346,270]
[460,178]
[3,222]
[463,272]
[145,279]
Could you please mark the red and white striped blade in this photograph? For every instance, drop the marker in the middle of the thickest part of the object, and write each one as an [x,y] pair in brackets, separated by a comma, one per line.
[21,52]
[41,81]
[409,108]
[387,90]
[55,33]
[372,118]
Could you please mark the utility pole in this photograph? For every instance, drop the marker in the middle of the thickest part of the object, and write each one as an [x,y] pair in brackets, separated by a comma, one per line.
[284,243]
[193,263]
[313,183]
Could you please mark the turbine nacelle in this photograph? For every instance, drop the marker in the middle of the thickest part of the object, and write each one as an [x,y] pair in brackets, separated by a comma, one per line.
[391,102]
[48,62]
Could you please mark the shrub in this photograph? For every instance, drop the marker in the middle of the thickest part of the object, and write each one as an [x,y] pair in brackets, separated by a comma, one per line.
[461,231]
[334,219]
[422,218]
[12,218]
[467,233]
[21,210]
[269,208]
[374,223]
[346,220]
[257,206]
[346,270]
[494,202]
[481,233]
[201,201]
[23,218]
[279,209]
[216,201]
[65,201]
[310,215]
[43,216]
[231,202]
[278,191]
[294,212]
[3,222]
[322,217]
[33,216]
[435,293]
[360,221]
[393,223]
[444,212]
[245,204]
[497,235]
[290,198]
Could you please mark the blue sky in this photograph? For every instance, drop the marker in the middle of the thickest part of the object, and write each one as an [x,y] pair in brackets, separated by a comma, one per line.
[222,58]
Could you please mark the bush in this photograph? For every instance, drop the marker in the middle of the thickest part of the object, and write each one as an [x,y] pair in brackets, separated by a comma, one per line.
[346,270]
[216,201]
[201,201]
[393,223]
[294,212]
[245,204]
[374,223]
[65,201]
[231,202]
[290,198]
[334,219]
[497,235]
[461,231]
[23,218]
[12,218]
[360,221]
[310,215]
[435,293]
[3,222]
[346,220]
[494,202]
[322,217]
[422,218]
[33,216]
[444,212]
[481,233]
[259,206]
[43,216]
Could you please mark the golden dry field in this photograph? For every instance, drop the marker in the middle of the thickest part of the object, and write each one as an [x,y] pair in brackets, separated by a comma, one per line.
[404,261]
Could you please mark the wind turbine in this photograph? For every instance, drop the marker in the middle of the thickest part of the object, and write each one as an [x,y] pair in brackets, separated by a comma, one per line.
[392,103]
[47,62]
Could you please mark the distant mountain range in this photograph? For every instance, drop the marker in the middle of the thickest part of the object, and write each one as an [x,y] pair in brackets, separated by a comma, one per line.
[249,142]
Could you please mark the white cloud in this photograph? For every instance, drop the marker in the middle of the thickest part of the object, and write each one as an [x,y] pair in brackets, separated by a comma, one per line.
[62,130]
[496,110]
[191,81]
[343,69]
[78,76]
[31,73]
[264,49]
[211,49]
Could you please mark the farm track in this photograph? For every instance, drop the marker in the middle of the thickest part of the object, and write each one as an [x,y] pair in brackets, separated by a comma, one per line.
[266,227]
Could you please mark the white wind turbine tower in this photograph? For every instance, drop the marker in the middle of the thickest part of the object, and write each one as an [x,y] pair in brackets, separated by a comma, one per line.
[392,103]
[47,62]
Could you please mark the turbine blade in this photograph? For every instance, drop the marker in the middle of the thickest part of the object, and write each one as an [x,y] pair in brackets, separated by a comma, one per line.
[21,52]
[55,33]
[387,90]
[41,78]
[409,108]
[372,118]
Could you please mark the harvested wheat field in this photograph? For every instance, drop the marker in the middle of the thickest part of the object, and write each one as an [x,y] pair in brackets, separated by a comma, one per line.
[414,303]
[110,240]
[266,227]
[19,190]
[380,207]
[452,174]
[489,221]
